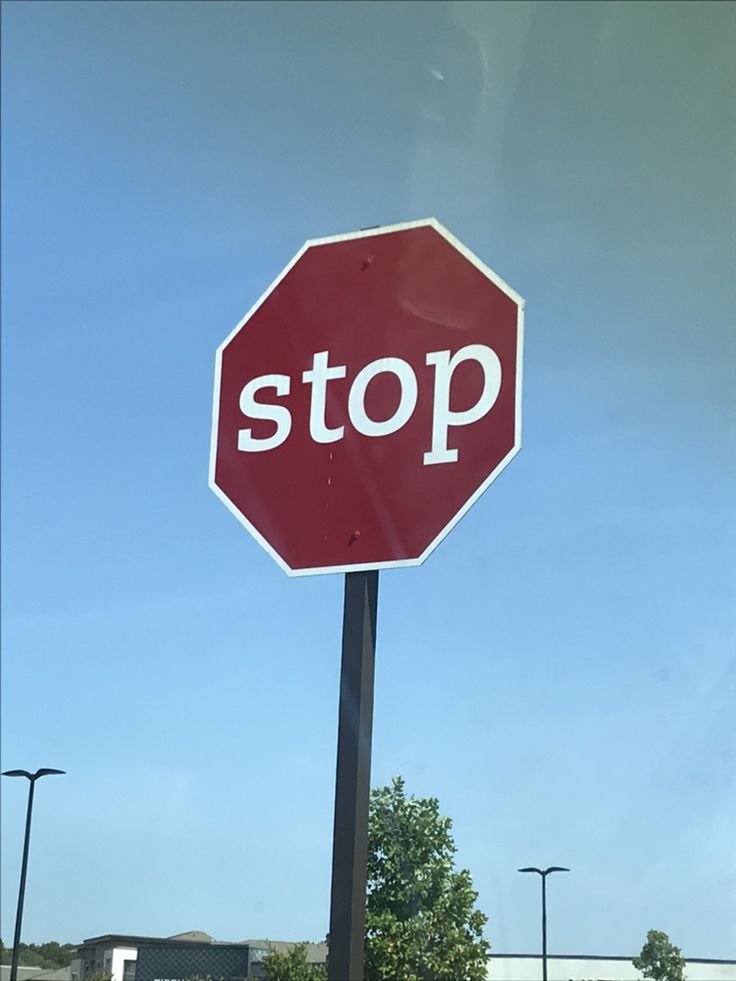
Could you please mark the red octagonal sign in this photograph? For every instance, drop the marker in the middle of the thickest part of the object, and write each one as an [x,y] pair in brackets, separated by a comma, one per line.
[367,399]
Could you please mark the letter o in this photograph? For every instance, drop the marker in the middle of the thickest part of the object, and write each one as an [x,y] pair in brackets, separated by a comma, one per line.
[407,402]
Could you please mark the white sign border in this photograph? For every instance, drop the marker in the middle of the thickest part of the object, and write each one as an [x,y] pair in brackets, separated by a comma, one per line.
[328,240]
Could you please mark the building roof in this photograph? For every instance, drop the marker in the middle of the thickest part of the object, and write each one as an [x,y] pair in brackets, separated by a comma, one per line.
[315,953]
[191,936]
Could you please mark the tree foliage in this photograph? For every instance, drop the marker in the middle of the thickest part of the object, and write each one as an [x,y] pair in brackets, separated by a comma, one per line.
[659,959]
[292,966]
[421,921]
[47,956]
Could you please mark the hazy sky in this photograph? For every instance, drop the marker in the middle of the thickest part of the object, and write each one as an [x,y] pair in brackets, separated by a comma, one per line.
[560,673]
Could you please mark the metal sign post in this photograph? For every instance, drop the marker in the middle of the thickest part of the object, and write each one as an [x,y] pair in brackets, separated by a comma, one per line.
[352,784]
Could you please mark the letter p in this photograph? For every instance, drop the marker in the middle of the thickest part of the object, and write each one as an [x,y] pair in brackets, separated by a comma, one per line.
[442,415]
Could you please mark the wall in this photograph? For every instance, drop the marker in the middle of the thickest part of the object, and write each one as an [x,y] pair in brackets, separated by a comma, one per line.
[119,955]
[504,968]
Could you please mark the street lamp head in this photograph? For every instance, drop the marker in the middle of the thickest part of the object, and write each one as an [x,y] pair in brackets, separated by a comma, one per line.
[43,772]
[543,872]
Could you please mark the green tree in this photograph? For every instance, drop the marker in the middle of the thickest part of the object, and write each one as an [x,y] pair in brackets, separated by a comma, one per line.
[47,956]
[421,921]
[659,959]
[292,966]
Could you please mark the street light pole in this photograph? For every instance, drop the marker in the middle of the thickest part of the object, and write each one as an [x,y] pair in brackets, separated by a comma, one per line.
[31,777]
[543,873]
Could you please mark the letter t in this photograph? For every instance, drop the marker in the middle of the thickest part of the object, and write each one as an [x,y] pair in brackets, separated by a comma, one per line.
[318,377]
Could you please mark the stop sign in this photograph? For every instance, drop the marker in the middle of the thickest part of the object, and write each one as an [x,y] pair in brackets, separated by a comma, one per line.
[367,399]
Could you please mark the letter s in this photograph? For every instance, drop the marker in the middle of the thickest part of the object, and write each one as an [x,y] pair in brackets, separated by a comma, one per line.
[258,410]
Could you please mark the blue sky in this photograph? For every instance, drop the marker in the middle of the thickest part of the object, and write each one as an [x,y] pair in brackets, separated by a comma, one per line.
[560,673]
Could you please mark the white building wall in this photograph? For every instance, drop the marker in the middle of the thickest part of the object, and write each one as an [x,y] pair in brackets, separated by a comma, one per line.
[119,955]
[710,972]
[594,969]
[568,969]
